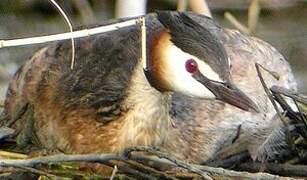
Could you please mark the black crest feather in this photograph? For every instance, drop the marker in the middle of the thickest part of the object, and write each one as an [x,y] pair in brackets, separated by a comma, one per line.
[197,40]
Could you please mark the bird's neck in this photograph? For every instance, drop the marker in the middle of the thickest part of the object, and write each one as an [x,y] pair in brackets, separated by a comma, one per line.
[147,119]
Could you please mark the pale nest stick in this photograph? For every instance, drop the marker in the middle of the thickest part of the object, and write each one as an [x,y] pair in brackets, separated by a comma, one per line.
[69,35]
[115,170]
[233,20]
[182,5]
[201,7]
[12,155]
[253,15]
[59,158]
[76,34]
[71,30]
[143,37]
[126,154]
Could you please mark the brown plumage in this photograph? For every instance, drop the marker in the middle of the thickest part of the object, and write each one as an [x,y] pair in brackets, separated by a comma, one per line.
[106,104]
[90,108]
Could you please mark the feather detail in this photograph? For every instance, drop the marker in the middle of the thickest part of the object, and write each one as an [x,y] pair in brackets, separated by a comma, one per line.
[273,147]
[190,36]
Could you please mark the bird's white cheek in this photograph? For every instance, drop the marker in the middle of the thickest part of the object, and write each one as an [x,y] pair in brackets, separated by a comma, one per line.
[207,71]
[179,79]
[196,89]
[186,84]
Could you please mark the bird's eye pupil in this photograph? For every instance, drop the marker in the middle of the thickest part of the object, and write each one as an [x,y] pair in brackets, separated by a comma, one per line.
[191,65]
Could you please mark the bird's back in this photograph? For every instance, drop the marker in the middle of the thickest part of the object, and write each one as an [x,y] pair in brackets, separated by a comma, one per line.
[79,99]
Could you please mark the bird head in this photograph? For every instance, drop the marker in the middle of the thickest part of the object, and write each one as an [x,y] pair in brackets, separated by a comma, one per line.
[186,57]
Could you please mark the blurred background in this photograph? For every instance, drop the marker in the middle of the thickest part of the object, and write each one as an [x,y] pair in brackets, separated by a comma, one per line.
[283,23]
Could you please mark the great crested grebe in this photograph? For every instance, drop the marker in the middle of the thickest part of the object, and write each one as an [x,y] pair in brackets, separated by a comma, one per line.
[106,103]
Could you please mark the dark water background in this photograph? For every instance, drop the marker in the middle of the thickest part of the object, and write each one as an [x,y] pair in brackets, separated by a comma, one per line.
[285,28]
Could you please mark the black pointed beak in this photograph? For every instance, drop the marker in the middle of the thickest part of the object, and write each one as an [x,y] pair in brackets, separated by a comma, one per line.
[228,93]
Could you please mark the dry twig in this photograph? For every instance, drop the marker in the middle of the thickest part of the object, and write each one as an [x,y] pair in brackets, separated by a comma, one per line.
[69,35]
[233,20]
[286,92]
[253,15]
[200,7]
[281,116]
[150,170]
[160,154]
[200,169]
[143,40]
[70,28]
[218,173]
[107,158]
[274,168]
[59,158]
[12,155]
[269,94]
[182,5]
[114,172]
[231,161]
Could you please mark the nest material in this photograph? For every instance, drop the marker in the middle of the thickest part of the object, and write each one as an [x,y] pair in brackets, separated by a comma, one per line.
[288,160]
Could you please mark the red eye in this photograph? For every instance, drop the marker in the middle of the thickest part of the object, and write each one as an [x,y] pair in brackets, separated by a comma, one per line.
[191,65]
